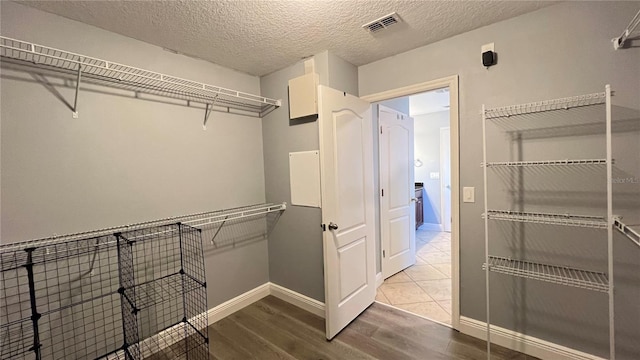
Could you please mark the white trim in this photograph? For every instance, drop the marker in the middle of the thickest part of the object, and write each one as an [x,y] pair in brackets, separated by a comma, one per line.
[523,343]
[431,227]
[414,89]
[302,301]
[379,279]
[454,120]
[238,303]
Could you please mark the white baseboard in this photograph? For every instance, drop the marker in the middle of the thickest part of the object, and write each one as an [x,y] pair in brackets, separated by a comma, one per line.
[524,343]
[237,303]
[302,301]
[431,227]
[379,279]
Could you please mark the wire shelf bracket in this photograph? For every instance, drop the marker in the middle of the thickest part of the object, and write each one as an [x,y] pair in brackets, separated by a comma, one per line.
[619,42]
[626,230]
[25,56]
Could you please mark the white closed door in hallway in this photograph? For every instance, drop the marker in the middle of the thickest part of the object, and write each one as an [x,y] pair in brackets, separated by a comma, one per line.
[445,180]
[397,191]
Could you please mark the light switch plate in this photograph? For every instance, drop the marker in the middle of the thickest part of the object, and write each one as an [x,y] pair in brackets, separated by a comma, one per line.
[434,175]
[468,194]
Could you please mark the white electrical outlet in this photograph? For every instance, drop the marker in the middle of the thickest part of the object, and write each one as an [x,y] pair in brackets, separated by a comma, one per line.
[488,47]
[468,194]
[434,175]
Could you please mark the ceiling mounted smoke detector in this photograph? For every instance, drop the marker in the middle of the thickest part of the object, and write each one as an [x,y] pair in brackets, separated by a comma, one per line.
[382,23]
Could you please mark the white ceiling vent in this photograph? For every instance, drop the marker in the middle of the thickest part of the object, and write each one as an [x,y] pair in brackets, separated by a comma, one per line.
[382,23]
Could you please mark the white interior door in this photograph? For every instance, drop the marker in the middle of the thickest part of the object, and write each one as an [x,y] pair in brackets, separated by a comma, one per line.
[445,178]
[397,191]
[346,163]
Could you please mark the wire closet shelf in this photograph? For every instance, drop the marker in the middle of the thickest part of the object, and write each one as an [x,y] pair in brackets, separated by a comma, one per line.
[195,220]
[562,275]
[547,105]
[563,162]
[597,222]
[103,72]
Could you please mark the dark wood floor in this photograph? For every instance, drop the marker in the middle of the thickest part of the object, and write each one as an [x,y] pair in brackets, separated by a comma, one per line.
[274,329]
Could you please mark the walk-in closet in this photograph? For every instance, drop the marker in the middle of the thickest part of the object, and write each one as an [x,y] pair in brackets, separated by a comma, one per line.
[300,179]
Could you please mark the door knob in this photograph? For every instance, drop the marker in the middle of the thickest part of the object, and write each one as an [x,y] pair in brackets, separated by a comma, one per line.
[333,226]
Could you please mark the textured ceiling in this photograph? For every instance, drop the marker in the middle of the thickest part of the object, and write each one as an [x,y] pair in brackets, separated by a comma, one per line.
[259,37]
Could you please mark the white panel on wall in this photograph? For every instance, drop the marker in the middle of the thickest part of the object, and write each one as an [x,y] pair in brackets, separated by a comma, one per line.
[303,96]
[304,177]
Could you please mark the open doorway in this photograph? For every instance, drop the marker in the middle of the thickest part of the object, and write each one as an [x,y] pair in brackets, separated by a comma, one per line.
[427,284]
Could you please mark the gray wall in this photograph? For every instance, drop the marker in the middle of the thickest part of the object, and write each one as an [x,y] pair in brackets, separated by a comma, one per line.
[427,149]
[126,160]
[562,50]
[295,245]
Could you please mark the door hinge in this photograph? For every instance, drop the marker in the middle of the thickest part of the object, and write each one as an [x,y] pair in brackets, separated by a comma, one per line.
[384,254]
[324,227]
[382,192]
[380,129]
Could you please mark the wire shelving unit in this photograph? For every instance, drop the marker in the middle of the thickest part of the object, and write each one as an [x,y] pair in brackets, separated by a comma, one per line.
[22,55]
[553,273]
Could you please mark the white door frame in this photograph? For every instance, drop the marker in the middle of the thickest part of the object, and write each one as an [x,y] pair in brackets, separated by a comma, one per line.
[454,120]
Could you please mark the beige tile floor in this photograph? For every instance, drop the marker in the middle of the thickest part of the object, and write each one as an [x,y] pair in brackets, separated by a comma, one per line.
[424,288]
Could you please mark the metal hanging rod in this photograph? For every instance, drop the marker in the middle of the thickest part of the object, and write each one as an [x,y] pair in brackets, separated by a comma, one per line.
[562,275]
[244,211]
[627,33]
[547,105]
[30,56]
[547,163]
[626,230]
[598,222]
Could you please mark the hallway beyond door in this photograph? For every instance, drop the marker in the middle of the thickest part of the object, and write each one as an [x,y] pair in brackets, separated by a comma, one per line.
[424,288]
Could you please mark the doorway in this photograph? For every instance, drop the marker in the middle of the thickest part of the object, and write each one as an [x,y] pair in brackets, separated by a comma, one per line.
[427,287]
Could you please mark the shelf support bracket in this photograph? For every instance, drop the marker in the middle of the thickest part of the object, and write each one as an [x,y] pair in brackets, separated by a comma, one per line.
[627,231]
[213,239]
[619,42]
[75,100]
[207,112]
